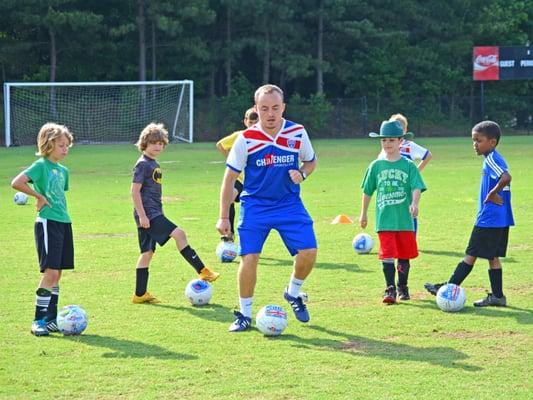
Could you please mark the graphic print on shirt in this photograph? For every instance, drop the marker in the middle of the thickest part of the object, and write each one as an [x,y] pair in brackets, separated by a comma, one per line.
[391,185]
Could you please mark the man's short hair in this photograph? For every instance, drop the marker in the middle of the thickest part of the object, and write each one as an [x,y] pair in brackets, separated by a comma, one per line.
[489,129]
[152,133]
[267,89]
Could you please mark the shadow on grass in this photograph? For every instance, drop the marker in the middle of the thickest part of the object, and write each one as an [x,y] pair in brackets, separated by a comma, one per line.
[360,346]
[123,348]
[211,312]
[288,262]
[460,255]
[522,315]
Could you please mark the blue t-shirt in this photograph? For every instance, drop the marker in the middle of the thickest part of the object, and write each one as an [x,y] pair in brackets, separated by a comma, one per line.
[492,215]
[266,161]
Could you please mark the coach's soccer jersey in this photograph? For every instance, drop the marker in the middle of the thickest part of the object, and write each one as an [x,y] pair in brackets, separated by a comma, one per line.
[51,180]
[492,215]
[410,150]
[266,162]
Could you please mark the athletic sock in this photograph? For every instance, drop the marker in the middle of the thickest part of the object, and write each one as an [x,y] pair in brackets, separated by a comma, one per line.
[403,272]
[294,286]
[42,301]
[496,282]
[232,217]
[246,306]
[141,282]
[192,258]
[52,307]
[389,272]
[461,272]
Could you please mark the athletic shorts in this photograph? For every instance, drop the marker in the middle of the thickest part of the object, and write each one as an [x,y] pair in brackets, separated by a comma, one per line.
[291,220]
[397,244]
[55,246]
[238,187]
[488,242]
[159,232]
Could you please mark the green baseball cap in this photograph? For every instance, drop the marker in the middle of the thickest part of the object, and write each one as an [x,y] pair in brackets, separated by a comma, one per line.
[391,129]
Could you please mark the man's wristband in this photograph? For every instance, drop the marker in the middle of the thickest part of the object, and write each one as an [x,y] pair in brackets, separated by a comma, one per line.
[303,174]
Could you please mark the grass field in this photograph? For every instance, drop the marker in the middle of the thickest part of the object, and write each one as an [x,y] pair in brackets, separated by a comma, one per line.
[353,348]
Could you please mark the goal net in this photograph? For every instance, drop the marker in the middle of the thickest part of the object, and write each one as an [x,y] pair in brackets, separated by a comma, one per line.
[98,112]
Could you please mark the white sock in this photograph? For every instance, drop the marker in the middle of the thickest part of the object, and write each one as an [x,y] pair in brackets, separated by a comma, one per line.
[246,306]
[294,286]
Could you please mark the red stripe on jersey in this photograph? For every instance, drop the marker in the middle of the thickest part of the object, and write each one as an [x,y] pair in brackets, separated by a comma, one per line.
[295,144]
[297,127]
[256,147]
[257,135]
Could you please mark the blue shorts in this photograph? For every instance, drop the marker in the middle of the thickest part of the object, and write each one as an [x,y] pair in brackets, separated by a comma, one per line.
[291,220]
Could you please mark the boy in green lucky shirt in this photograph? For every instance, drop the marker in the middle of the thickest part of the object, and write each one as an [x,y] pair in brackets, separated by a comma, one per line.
[398,184]
[53,230]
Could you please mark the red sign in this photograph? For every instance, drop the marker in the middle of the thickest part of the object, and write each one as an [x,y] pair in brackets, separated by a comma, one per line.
[486,62]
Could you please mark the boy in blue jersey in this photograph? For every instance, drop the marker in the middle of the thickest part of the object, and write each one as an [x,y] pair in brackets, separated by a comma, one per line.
[491,230]
[276,156]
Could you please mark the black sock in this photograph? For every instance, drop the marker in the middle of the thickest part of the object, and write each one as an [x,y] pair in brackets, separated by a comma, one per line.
[192,258]
[141,282]
[403,272]
[232,217]
[496,284]
[389,272]
[460,273]
[42,301]
[52,307]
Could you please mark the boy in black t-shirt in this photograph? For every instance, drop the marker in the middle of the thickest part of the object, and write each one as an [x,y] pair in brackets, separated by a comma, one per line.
[152,225]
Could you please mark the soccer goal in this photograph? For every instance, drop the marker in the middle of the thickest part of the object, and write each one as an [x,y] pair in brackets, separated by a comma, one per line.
[98,112]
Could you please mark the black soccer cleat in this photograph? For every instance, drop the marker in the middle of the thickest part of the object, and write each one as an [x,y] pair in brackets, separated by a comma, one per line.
[433,288]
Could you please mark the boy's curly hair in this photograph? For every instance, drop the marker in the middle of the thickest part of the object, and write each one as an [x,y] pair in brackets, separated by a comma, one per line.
[489,129]
[48,135]
[152,133]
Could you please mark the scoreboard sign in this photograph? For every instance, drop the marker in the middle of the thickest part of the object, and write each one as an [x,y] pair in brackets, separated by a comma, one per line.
[492,63]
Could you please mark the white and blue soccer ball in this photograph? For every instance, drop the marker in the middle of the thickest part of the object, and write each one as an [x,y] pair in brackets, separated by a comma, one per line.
[451,298]
[72,320]
[227,251]
[362,243]
[271,320]
[198,292]
[20,198]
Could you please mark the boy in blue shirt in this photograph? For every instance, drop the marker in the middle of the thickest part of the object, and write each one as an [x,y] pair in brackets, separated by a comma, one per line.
[491,231]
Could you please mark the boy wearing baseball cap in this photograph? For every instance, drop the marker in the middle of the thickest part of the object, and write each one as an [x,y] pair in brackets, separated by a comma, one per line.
[398,185]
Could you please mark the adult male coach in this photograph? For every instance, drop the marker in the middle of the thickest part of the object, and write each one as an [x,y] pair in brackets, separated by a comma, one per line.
[276,156]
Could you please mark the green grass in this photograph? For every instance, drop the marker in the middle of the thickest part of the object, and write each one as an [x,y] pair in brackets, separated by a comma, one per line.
[353,348]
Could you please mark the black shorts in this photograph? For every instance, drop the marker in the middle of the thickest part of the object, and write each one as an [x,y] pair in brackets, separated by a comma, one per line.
[159,232]
[55,246]
[239,187]
[488,242]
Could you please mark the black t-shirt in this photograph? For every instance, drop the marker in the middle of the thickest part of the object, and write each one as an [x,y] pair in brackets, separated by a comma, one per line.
[148,173]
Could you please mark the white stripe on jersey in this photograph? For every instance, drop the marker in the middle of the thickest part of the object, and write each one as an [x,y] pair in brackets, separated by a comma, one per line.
[492,164]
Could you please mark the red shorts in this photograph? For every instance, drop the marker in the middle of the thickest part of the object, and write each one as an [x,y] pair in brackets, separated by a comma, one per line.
[397,244]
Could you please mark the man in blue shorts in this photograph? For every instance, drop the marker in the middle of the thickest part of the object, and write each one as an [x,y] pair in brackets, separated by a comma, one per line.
[276,156]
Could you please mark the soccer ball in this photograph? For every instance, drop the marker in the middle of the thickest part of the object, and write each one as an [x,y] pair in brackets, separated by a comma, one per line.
[20,198]
[362,243]
[451,298]
[227,251]
[271,320]
[198,292]
[72,320]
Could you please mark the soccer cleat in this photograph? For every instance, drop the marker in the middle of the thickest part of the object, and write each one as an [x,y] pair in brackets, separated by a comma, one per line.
[228,238]
[389,297]
[145,298]
[240,324]
[298,306]
[51,325]
[207,275]
[403,292]
[38,328]
[491,300]
[433,288]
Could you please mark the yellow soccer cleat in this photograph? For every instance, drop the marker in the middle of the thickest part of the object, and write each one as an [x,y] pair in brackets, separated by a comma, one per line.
[145,298]
[207,275]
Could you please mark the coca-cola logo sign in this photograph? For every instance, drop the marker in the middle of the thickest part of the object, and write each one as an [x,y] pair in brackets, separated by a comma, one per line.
[481,63]
[485,62]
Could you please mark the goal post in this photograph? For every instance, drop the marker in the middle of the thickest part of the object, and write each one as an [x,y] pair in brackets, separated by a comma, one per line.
[98,112]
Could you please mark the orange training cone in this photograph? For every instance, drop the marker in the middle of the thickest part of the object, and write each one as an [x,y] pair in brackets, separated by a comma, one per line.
[342,219]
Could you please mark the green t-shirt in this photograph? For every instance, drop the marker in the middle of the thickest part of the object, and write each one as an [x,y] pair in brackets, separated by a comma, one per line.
[50,180]
[394,183]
